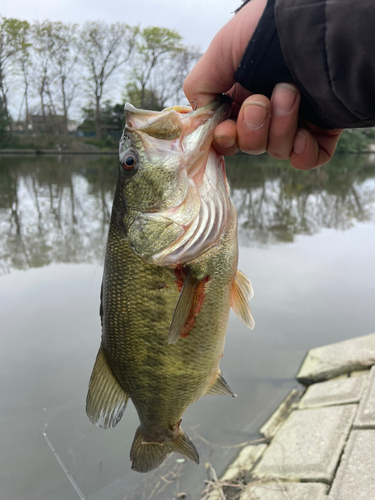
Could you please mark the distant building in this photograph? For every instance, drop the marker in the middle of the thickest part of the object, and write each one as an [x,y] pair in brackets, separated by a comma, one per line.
[49,124]
[20,127]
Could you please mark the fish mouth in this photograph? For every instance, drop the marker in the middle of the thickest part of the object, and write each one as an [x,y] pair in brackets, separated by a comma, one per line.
[176,121]
[198,217]
[204,212]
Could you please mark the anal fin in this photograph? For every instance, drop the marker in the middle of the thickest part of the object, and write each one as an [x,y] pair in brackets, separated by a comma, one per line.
[241,293]
[106,399]
[220,388]
[188,305]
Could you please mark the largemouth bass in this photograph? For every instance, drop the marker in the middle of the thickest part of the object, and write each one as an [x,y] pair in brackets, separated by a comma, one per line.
[170,277]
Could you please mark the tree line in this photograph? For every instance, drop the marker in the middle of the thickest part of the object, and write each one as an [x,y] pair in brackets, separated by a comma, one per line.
[49,68]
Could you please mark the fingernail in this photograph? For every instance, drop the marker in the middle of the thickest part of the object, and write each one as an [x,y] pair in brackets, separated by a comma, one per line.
[299,143]
[255,114]
[224,141]
[283,99]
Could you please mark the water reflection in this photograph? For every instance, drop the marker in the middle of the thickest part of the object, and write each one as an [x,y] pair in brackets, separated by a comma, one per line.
[57,209]
[54,210]
[276,202]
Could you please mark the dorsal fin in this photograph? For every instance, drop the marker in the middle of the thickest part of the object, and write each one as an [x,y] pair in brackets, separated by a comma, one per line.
[220,388]
[189,296]
[106,399]
[242,292]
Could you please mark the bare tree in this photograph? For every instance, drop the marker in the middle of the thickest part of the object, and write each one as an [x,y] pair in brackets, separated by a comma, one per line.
[103,48]
[160,66]
[22,56]
[11,32]
[44,46]
[64,59]
[168,81]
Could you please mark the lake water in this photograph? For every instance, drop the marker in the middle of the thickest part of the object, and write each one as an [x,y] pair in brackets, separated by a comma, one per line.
[307,242]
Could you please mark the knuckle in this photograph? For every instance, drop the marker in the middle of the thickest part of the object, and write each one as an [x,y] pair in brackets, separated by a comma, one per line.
[253,140]
[278,155]
[281,128]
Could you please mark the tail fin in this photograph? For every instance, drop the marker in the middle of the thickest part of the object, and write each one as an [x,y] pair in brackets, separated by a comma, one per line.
[147,456]
[183,445]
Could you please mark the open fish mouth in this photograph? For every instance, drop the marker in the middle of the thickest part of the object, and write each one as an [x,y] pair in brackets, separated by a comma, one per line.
[196,218]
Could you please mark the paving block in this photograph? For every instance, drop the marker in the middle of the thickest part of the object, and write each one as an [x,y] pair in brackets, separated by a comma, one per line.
[244,462]
[308,445]
[334,392]
[284,491]
[355,478]
[365,418]
[332,360]
[272,425]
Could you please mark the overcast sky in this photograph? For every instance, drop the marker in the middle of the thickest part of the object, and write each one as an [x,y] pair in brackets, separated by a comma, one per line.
[196,20]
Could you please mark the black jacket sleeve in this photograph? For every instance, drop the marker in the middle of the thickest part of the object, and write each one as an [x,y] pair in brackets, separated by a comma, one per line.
[327,48]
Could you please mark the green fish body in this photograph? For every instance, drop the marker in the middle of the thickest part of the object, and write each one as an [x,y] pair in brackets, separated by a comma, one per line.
[170,278]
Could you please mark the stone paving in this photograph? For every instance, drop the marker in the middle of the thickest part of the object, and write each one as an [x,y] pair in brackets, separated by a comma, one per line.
[320,442]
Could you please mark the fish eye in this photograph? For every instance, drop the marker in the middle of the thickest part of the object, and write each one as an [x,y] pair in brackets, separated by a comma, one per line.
[129,161]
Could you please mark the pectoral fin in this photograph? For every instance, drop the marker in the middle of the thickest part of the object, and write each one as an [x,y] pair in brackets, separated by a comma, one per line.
[106,400]
[242,292]
[188,305]
[220,388]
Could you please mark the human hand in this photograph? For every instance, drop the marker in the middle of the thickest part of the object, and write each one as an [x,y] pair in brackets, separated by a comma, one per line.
[261,124]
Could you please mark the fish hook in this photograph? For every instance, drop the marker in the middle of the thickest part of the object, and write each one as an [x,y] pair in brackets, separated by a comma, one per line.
[233,96]
[195,105]
[234,92]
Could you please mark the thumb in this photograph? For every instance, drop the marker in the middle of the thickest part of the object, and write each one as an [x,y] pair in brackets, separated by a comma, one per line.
[214,72]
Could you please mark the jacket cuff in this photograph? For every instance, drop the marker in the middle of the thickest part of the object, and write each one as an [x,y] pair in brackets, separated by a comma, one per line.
[263,65]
